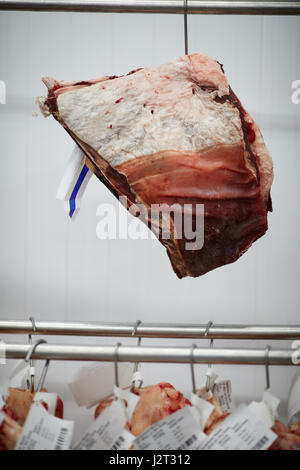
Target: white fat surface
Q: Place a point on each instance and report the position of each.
(180, 120)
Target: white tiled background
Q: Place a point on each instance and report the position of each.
(55, 269)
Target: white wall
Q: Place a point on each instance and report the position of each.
(55, 269)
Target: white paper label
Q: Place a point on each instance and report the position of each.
(2, 92)
(131, 400)
(45, 432)
(179, 431)
(74, 182)
(94, 383)
(265, 410)
(49, 398)
(223, 394)
(240, 431)
(294, 403)
(107, 431)
(203, 409)
(137, 379)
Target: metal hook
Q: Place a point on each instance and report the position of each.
(209, 325)
(192, 369)
(136, 365)
(116, 365)
(186, 45)
(31, 363)
(43, 375)
(28, 359)
(136, 325)
(267, 353)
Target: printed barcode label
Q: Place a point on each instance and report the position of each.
(178, 431)
(260, 443)
(60, 445)
(242, 430)
(223, 394)
(188, 443)
(118, 443)
(107, 431)
(45, 432)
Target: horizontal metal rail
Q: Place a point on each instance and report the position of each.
(152, 354)
(152, 330)
(222, 7)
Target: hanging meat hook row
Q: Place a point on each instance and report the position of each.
(136, 373)
(267, 356)
(192, 369)
(185, 13)
(31, 363)
(209, 325)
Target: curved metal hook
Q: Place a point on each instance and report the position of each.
(28, 359)
(116, 364)
(31, 363)
(33, 348)
(136, 365)
(135, 327)
(192, 369)
(267, 356)
(209, 325)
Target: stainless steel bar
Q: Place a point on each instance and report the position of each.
(152, 330)
(150, 354)
(222, 7)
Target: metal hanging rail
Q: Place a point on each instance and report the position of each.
(152, 330)
(221, 7)
(152, 354)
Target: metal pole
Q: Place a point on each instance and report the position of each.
(152, 330)
(229, 7)
(151, 354)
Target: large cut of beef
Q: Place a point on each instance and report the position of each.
(174, 136)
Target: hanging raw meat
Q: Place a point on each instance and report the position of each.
(156, 403)
(10, 431)
(286, 440)
(295, 428)
(175, 136)
(18, 404)
(16, 409)
(216, 417)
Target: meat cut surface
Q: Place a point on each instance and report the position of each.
(286, 440)
(19, 401)
(175, 136)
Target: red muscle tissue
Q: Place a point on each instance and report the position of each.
(175, 135)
